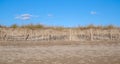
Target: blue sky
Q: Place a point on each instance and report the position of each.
(60, 12)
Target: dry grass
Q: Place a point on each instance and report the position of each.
(53, 43)
(62, 54)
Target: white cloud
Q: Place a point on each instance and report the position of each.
(24, 17)
(93, 12)
(50, 15)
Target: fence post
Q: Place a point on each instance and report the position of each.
(27, 37)
(0, 34)
(91, 34)
(110, 34)
(70, 36)
(4, 36)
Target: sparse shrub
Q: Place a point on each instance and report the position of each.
(90, 26)
(109, 27)
(31, 26)
(99, 27)
(60, 28)
(14, 26)
(39, 26)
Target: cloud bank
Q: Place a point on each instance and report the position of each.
(25, 16)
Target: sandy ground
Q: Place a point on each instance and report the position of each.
(61, 54)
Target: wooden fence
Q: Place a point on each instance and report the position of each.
(53, 35)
